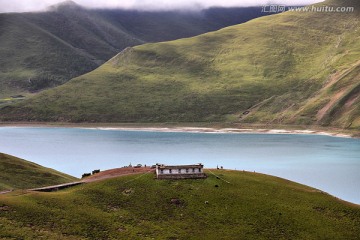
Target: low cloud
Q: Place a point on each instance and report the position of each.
(38, 5)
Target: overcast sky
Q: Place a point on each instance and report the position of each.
(38, 5)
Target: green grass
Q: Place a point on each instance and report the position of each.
(20, 174)
(275, 67)
(45, 49)
(252, 206)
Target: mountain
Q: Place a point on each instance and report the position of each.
(44, 49)
(234, 205)
(17, 173)
(292, 68)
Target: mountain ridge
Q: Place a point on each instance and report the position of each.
(256, 72)
(44, 49)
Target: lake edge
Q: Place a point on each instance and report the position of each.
(191, 128)
(196, 133)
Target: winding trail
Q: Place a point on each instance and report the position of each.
(117, 172)
(7, 191)
(107, 174)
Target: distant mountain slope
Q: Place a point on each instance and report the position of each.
(45, 49)
(20, 174)
(291, 68)
(171, 25)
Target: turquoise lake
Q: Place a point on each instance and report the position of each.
(331, 164)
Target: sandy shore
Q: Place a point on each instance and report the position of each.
(7, 191)
(191, 129)
(224, 130)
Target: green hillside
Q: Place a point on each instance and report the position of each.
(20, 174)
(292, 68)
(251, 206)
(44, 49)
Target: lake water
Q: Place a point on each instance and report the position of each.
(331, 164)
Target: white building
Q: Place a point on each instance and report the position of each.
(179, 171)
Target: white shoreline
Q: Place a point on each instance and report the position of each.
(190, 130)
(219, 130)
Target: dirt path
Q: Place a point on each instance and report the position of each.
(335, 78)
(321, 113)
(7, 191)
(107, 174)
(117, 172)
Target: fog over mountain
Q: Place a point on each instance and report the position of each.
(39, 5)
(68, 40)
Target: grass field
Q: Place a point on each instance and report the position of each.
(45, 49)
(291, 68)
(250, 206)
(21, 174)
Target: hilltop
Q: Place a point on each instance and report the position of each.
(17, 173)
(250, 206)
(292, 68)
(41, 50)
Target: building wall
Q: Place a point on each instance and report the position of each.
(180, 173)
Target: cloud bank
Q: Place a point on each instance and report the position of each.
(38, 5)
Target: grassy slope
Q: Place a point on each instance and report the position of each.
(275, 67)
(252, 206)
(52, 47)
(20, 174)
(44, 49)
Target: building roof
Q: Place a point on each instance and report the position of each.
(162, 166)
